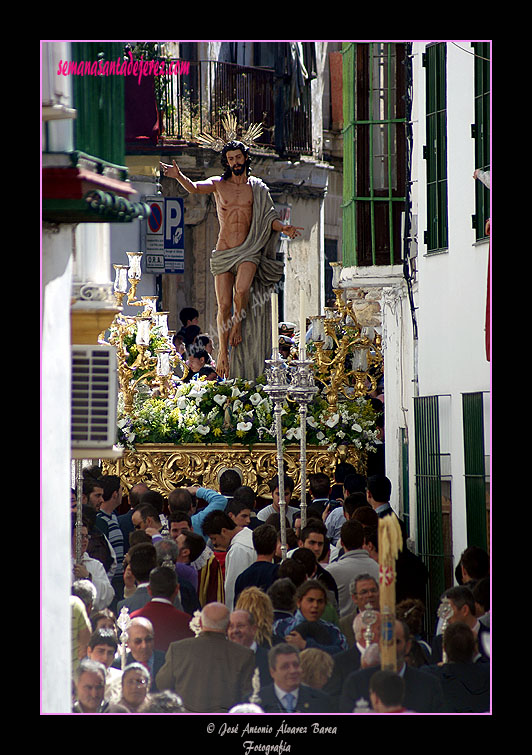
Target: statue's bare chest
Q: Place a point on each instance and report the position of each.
(234, 196)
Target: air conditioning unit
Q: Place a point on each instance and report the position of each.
(94, 396)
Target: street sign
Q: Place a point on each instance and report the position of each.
(165, 236)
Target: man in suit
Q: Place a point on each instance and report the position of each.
(351, 660)
(378, 493)
(364, 590)
(462, 603)
(420, 696)
(412, 573)
(210, 673)
(140, 643)
(465, 682)
(287, 694)
(243, 629)
(169, 623)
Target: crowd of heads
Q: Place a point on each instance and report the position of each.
(298, 588)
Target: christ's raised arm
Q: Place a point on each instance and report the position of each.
(193, 187)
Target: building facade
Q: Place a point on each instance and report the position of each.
(415, 261)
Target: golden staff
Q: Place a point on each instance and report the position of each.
(390, 543)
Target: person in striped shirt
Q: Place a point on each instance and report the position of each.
(107, 522)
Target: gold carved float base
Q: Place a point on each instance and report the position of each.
(164, 467)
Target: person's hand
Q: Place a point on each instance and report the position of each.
(170, 171)
(326, 512)
(81, 571)
(294, 638)
(292, 231)
(193, 489)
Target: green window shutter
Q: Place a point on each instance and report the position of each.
(349, 207)
(474, 468)
(429, 497)
(481, 134)
(99, 101)
(435, 60)
(375, 126)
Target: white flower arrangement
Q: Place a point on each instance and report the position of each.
(240, 412)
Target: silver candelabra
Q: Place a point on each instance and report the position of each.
(294, 380)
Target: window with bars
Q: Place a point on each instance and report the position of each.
(474, 413)
(375, 120)
(481, 134)
(433, 495)
(435, 152)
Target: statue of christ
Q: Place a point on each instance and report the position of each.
(248, 221)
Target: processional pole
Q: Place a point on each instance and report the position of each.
(303, 390)
(277, 388)
(390, 543)
(79, 508)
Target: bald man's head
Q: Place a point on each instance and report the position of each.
(215, 617)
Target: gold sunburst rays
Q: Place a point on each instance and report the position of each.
(230, 128)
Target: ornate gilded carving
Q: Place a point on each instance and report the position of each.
(164, 467)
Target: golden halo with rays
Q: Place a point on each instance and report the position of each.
(230, 126)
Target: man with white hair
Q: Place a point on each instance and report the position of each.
(243, 630)
(209, 672)
(140, 648)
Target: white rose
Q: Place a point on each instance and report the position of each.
(255, 399)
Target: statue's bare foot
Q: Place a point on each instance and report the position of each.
(222, 365)
(235, 334)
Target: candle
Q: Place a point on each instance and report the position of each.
(275, 327)
(302, 324)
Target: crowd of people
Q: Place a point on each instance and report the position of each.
(184, 604)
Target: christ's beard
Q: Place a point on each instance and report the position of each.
(238, 169)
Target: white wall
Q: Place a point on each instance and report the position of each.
(452, 284)
(55, 569)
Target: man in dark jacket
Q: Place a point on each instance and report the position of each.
(421, 695)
